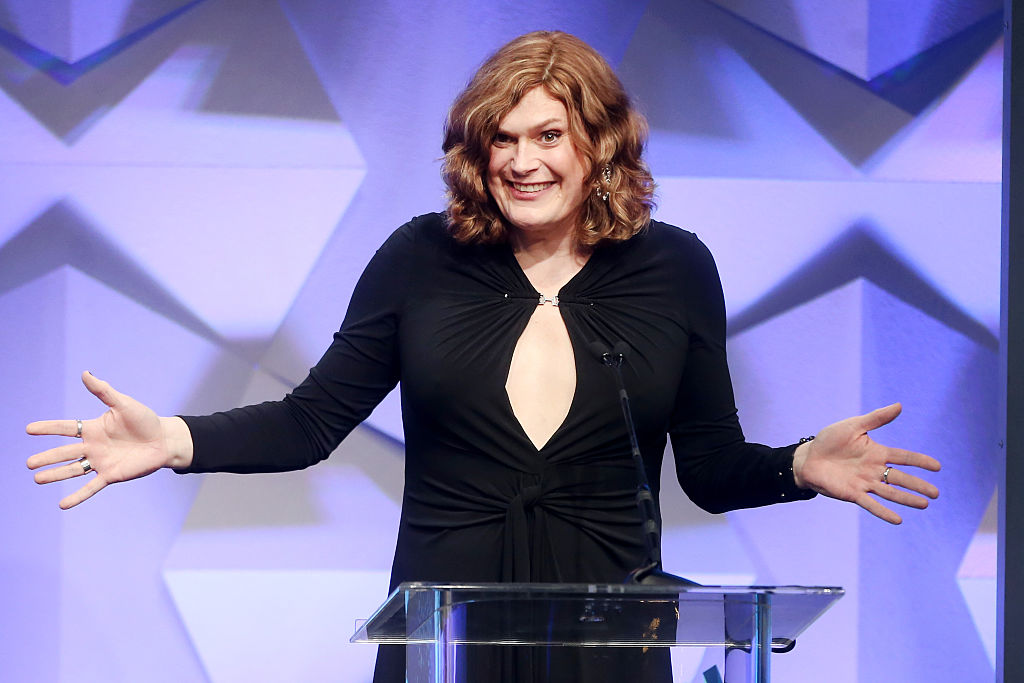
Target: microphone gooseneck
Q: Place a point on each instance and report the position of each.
(650, 572)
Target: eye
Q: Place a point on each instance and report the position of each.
(502, 139)
(550, 137)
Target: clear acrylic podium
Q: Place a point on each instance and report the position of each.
(434, 619)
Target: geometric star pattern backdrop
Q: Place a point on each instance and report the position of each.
(189, 189)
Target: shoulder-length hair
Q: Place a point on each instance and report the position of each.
(605, 128)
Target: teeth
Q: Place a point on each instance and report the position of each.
(533, 187)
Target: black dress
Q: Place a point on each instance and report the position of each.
(481, 502)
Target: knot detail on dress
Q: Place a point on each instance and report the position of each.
(518, 536)
(530, 495)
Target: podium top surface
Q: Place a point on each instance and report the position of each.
(592, 614)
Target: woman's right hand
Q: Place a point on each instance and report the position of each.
(126, 442)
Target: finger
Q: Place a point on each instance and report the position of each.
(880, 417)
(91, 488)
(61, 473)
(53, 427)
(912, 483)
(901, 497)
(899, 456)
(72, 451)
(879, 510)
(101, 390)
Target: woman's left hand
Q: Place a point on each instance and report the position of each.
(844, 462)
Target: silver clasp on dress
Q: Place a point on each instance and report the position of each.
(546, 299)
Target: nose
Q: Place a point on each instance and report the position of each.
(524, 158)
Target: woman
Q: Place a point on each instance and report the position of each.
(518, 465)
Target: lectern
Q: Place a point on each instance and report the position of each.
(434, 619)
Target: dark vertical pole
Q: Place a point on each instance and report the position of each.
(1010, 598)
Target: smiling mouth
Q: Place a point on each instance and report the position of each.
(531, 187)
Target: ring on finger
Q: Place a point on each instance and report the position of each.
(78, 430)
(86, 465)
(885, 475)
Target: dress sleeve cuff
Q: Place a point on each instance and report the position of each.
(190, 420)
(785, 481)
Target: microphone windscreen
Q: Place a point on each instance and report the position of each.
(598, 349)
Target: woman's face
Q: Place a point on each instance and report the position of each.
(535, 173)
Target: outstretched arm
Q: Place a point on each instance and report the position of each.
(843, 462)
(126, 442)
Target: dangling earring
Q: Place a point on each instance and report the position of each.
(606, 176)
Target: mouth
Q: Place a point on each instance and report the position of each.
(530, 188)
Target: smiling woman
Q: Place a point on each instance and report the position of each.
(536, 175)
(597, 117)
(518, 466)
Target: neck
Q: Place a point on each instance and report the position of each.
(533, 247)
(549, 261)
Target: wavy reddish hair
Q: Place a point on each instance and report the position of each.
(605, 128)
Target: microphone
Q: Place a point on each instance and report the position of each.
(650, 572)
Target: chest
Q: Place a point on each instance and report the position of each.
(466, 324)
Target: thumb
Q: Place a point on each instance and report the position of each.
(880, 417)
(100, 389)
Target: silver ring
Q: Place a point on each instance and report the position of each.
(86, 465)
(885, 475)
(78, 432)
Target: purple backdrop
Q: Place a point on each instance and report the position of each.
(188, 190)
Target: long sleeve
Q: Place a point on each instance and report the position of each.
(355, 373)
(717, 468)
